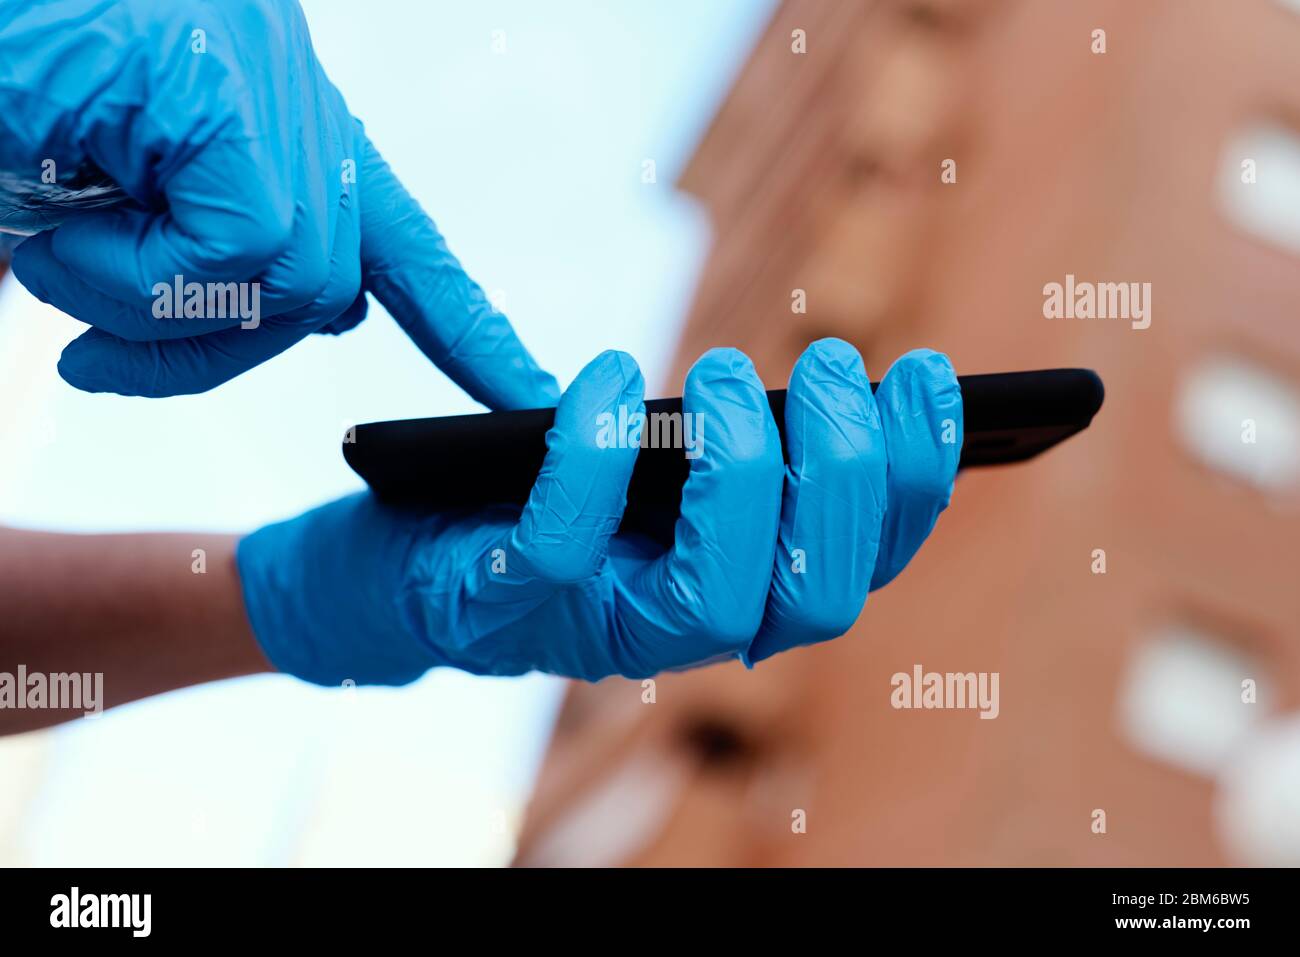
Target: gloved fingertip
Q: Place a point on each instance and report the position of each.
(935, 367)
(923, 379)
(98, 362)
(724, 360)
(30, 261)
(75, 369)
(832, 362)
(517, 384)
(613, 374)
(725, 373)
(548, 388)
(835, 354)
(609, 387)
(349, 319)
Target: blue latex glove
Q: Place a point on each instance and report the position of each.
(245, 166)
(765, 557)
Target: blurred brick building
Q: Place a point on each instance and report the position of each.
(1121, 691)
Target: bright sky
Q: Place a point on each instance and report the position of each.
(530, 160)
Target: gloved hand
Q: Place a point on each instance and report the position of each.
(765, 557)
(218, 121)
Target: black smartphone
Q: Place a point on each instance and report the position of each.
(488, 458)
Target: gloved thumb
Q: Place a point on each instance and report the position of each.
(577, 503)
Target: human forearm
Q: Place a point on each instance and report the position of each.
(152, 613)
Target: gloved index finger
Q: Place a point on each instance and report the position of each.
(406, 264)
